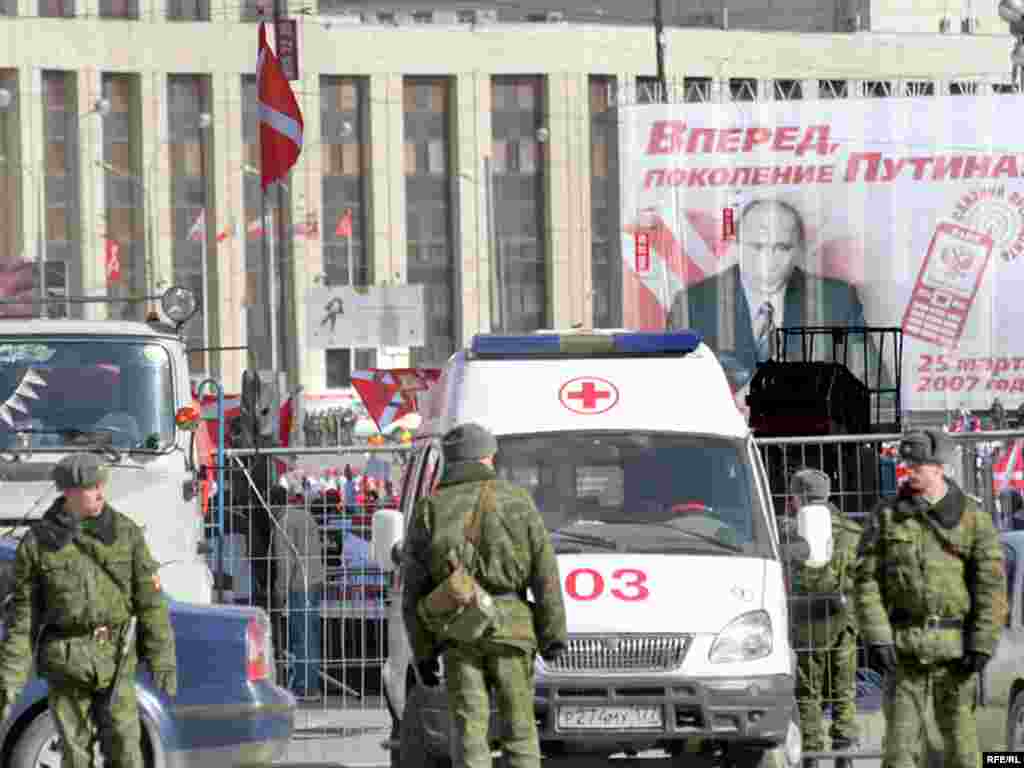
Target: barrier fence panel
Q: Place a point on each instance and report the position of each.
(297, 526)
(296, 544)
(833, 676)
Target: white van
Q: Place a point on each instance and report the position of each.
(649, 480)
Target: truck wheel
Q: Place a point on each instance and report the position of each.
(39, 746)
(1015, 724)
(413, 751)
(780, 756)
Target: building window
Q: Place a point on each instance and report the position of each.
(188, 10)
(57, 8)
(119, 9)
(878, 89)
(257, 10)
(743, 89)
(344, 108)
(430, 261)
(340, 365)
(188, 98)
(788, 90)
(833, 89)
(517, 185)
(605, 261)
(62, 237)
(697, 90)
(920, 88)
(648, 90)
(126, 192)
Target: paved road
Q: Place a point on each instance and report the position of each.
(352, 738)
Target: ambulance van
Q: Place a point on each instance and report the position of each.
(672, 569)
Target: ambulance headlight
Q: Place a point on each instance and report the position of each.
(745, 638)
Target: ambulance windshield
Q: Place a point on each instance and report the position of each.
(636, 492)
(58, 393)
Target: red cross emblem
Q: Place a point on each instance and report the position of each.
(588, 395)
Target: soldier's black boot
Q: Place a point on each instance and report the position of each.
(843, 745)
(810, 762)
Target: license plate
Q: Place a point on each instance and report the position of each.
(571, 718)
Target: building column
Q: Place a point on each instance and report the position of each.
(156, 180)
(92, 225)
(474, 246)
(387, 195)
(567, 195)
(227, 258)
(32, 156)
(307, 251)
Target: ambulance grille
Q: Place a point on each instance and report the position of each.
(622, 653)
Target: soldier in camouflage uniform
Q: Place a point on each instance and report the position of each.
(824, 626)
(931, 601)
(514, 554)
(79, 576)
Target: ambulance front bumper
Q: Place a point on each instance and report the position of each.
(594, 713)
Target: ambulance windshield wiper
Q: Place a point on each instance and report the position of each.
(732, 547)
(584, 539)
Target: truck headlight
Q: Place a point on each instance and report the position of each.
(745, 638)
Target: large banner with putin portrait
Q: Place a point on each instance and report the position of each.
(740, 218)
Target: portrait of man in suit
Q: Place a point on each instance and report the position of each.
(738, 309)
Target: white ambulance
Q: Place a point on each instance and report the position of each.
(672, 570)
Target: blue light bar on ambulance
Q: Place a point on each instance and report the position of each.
(636, 344)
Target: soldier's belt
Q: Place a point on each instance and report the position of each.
(929, 622)
(103, 633)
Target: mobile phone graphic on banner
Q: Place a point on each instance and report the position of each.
(947, 284)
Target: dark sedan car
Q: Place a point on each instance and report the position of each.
(228, 711)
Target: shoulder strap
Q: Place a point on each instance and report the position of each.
(485, 503)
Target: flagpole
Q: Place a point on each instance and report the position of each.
(268, 291)
(282, 240)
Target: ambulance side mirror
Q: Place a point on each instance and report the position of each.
(385, 538)
(814, 526)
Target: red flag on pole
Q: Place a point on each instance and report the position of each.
(390, 394)
(113, 260)
(279, 114)
(344, 225)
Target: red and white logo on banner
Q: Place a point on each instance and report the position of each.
(642, 246)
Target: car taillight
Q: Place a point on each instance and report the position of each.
(257, 646)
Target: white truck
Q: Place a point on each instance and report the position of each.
(672, 569)
(122, 389)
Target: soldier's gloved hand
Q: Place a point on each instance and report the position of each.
(974, 662)
(167, 681)
(430, 671)
(882, 658)
(552, 652)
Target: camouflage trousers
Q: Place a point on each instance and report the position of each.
(827, 676)
(470, 672)
(908, 693)
(81, 723)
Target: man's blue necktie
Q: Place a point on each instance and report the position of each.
(765, 324)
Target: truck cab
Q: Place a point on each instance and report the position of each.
(658, 505)
(120, 389)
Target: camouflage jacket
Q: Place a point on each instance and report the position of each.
(514, 554)
(58, 586)
(824, 604)
(919, 561)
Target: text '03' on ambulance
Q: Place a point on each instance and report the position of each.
(648, 478)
